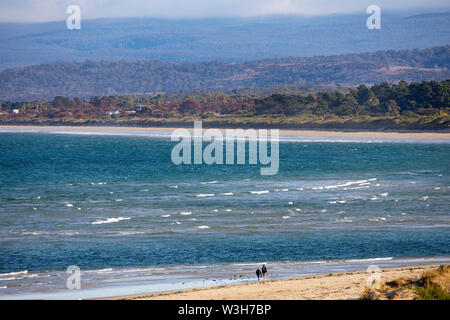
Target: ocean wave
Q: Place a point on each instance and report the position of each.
(13, 273)
(209, 182)
(186, 213)
(204, 195)
(203, 227)
(259, 192)
(369, 259)
(111, 220)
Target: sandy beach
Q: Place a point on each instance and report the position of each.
(334, 286)
(438, 135)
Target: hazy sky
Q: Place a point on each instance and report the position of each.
(54, 10)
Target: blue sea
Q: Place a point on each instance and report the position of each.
(113, 204)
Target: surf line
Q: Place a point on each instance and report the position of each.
(213, 153)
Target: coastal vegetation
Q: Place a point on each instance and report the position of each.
(432, 285)
(417, 105)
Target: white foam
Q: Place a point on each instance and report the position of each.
(259, 192)
(344, 220)
(286, 217)
(186, 213)
(13, 273)
(291, 203)
(203, 227)
(165, 216)
(111, 220)
(227, 194)
(370, 259)
(209, 182)
(203, 195)
(377, 219)
(69, 205)
(384, 194)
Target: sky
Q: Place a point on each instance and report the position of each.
(55, 10)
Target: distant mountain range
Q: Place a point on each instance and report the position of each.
(221, 39)
(91, 78)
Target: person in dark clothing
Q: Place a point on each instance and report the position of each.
(264, 271)
(258, 273)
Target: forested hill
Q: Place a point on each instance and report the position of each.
(103, 78)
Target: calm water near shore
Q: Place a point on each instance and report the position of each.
(115, 205)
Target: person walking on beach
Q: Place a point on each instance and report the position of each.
(258, 273)
(264, 271)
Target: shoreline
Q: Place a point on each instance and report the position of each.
(322, 133)
(348, 285)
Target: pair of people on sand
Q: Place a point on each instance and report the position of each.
(261, 272)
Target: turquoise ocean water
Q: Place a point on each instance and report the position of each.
(115, 205)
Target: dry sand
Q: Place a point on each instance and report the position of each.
(302, 133)
(335, 286)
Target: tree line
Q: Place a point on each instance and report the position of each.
(380, 100)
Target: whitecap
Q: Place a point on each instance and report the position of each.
(111, 220)
(13, 273)
(203, 227)
(203, 195)
(227, 194)
(259, 192)
(69, 205)
(383, 194)
(165, 216)
(344, 220)
(286, 217)
(291, 203)
(186, 213)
